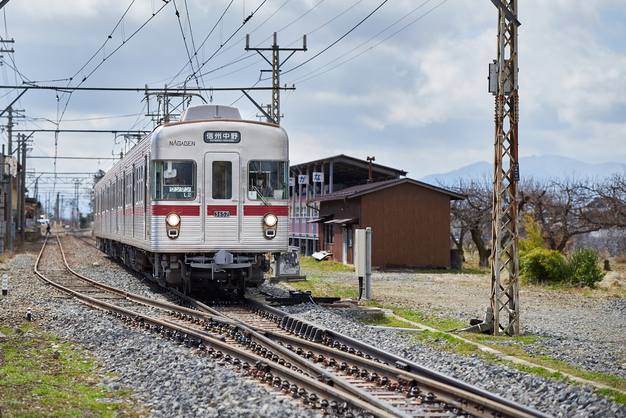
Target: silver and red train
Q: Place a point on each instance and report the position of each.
(199, 203)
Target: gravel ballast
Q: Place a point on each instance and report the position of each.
(170, 380)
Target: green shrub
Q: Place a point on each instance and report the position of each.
(542, 266)
(584, 270)
(534, 237)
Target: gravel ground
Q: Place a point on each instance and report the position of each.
(166, 378)
(583, 331)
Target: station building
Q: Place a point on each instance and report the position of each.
(410, 220)
(319, 178)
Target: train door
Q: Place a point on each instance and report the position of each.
(222, 195)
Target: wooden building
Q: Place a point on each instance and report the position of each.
(410, 222)
(321, 177)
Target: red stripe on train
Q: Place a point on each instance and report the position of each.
(262, 210)
(162, 210)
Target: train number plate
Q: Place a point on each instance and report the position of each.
(221, 214)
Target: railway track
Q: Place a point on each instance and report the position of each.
(297, 360)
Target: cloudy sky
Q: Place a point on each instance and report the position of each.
(408, 84)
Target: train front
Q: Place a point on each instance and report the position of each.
(219, 189)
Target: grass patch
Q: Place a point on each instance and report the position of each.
(616, 396)
(513, 346)
(516, 349)
(446, 342)
(442, 324)
(389, 321)
(322, 284)
(310, 263)
(40, 376)
(327, 289)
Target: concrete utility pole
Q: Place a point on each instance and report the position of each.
(76, 184)
(21, 199)
(56, 211)
(503, 82)
(276, 64)
(10, 188)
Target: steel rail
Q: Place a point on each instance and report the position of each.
(407, 365)
(340, 390)
(448, 389)
(450, 393)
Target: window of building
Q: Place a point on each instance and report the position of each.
(330, 234)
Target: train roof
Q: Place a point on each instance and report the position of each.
(208, 112)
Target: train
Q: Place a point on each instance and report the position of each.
(200, 204)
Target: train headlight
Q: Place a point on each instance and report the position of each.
(269, 225)
(173, 220)
(172, 225)
(270, 220)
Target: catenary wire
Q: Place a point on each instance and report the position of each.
(166, 2)
(203, 42)
(305, 77)
(229, 38)
(338, 40)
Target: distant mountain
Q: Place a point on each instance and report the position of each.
(539, 168)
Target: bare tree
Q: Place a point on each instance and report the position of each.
(563, 208)
(608, 209)
(473, 214)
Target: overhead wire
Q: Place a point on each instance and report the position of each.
(301, 16)
(338, 40)
(304, 78)
(204, 41)
(182, 32)
(246, 55)
(229, 38)
(105, 58)
(119, 22)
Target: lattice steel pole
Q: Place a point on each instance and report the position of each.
(275, 82)
(505, 252)
(276, 64)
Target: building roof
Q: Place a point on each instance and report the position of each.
(363, 189)
(348, 171)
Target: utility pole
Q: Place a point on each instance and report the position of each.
(56, 210)
(23, 189)
(77, 224)
(10, 192)
(503, 82)
(18, 180)
(21, 199)
(276, 64)
(3, 231)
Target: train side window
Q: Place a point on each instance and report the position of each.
(173, 180)
(267, 180)
(222, 180)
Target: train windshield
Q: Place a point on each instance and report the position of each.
(173, 180)
(267, 180)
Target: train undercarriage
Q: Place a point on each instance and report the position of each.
(193, 273)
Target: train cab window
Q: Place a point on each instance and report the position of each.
(267, 180)
(173, 180)
(222, 180)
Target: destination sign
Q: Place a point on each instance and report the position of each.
(222, 136)
(180, 189)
